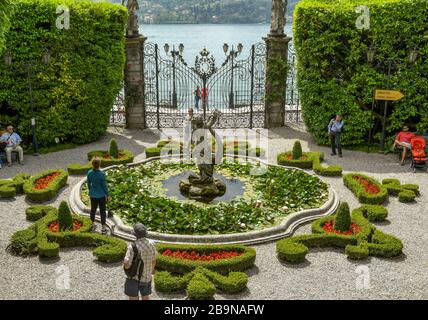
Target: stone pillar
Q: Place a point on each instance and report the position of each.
(276, 66)
(134, 82)
(276, 80)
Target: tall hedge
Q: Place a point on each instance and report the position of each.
(335, 77)
(5, 10)
(72, 95)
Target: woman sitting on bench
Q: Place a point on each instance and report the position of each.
(403, 140)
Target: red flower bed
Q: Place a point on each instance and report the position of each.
(54, 226)
(106, 156)
(304, 158)
(369, 187)
(196, 256)
(329, 228)
(42, 183)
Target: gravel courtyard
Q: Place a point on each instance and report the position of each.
(327, 274)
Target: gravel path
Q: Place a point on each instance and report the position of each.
(327, 274)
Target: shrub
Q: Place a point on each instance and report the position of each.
(24, 242)
(223, 266)
(360, 192)
(114, 149)
(19, 181)
(76, 92)
(373, 212)
(359, 246)
(343, 218)
(125, 156)
(79, 169)
(329, 171)
(64, 217)
(297, 151)
(411, 187)
(284, 160)
(201, 278)
(406, 196)
(35, 213)
(50, 191)
(339, 80)
(7, 192)
(153, 152)
(200, 288)
(5, 182)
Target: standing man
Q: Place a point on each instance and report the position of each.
(12, 141)
(98, 192)
(140, 286)
(197, 97)
(335, 130)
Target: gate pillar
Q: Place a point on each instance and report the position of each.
(276, 67)
(134, 83)
(134, 70)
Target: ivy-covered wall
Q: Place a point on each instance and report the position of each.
(335, 77)
(72, 95)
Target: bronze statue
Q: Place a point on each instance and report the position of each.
(205, 163)
(204, 187)
(279, 11)
(133, 25)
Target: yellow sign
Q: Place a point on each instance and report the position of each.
(389, 95)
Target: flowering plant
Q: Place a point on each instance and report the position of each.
(43, 183)
(329, 228)
(196, 256)
(54, 226)
(369, 187)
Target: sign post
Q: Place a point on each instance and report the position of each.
(384, 95)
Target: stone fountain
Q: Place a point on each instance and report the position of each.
(204, 187)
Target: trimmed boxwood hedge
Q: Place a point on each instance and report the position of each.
(38, 239)
(200, 279)
(406, 192)
(223, 266)
(35, 213)
(79, 169)
(373, 212)
(328, 171)
(359, 191)
(153, 152)
(75, 93)
(126, 156)
(48, 193)
(7, 191)
(368, 242)
(333, 73)
(19, 181)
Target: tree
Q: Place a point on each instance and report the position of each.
(114, 149)
(297, 151)
(65, 218)
(342, 222)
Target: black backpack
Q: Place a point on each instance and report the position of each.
(137, 265)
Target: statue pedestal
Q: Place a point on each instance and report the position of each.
(203, 192)
(134, 82)
(276, 83)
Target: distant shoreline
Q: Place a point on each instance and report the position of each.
(207, 23)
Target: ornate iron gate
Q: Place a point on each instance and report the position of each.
(292, 98)
(236, 88)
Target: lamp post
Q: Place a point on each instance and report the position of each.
(389, 66)
(46, 59)
(174, 54)
(232, 55)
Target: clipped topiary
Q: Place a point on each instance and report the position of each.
(342, 222)
(64, 216)
(114, 149)
(297, 150)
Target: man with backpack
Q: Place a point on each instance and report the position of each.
(139, 265)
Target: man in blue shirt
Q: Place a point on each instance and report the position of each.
(335, 130)
(12, 141)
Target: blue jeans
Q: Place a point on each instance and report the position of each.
(197, 102)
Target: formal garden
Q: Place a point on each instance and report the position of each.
(279, 219)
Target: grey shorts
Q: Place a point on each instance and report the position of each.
(133, 287)
(407, 145)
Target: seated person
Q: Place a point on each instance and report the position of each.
(12, 140)
(403, 140)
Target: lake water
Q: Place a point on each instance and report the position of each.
(212, 36)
